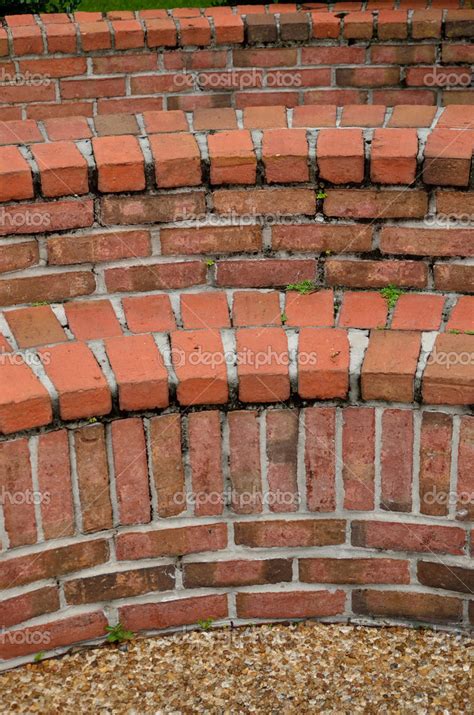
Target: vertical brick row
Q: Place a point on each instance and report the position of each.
(131, 471)
(320, 458)
(205, 450)
(54, 481)
(358, 455)
(282, 445)
(17, 495)
(435, 463)
(93, 478)
(167, 464)
(244, 462)
(396, 460)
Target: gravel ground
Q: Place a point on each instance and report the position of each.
(298, 668)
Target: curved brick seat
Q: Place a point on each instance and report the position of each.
(236, 329)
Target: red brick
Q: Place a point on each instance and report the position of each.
(325, 25)
(157, 276)
(51, 635)
(393, 156)
(288, 534)
(389, 367)
(171, 542)
(264, 273)
(205, 461)
(278, 202)
(261, 27)
(462, 315)
(256, 308)
(459, 23)
(262, 364)
(169, 614)
(16, 93)
(82, 388)
(392, 25)
(24, 402)
(115, 124)
(122, 584)
(204, 310)
(169, 121)
(27, 40)
(323, 363)
(61, 38)
(265, 117)
(211, 239)
(454, 277)
(98, 247)
(93, 478)
(417, 606)
(93, 320)
(407, 115)
(161, 33)
(139, 369)
(340, 155)
(15, 174)
(290, 604)
(54, 481)
(237, 573)
(368, 77)
(439, 575)
(195, 31)
(448, 377)
(282, 444)
(59, 129)
(170, 154)
(354, 571)
(396, 464)
(358, 26)
(199, 363)
(232, 157)
(457, 117)
(149, 314)
(316, 115)
(418, 312)
(409, 54)
(47, 287)
(228, 29)
(244, 462)
(130, 105)
(376, 274)
(448, 155)
(322, 55)
(457, 53)
(465, 486)
(285, 155)
(426, 24)
(54, 67)
(320, 453)
(52, 563)
(427, 242)
(19, 255)
(29, 605)
(358, 455)
(92, 88)
(120, 163)
(393, 536)
(51, 216)
(167, 465)
(128, 34)
(19, 132)
(363, 310)
(17, 498)
(360, 115)
(131, 63)
(432, 77)
(205, 119)
(339, 97)
(95, 36)
(313, 237)
(391, 97)
(66, 109)
(313, 309)
(435, 463)
(265, 57)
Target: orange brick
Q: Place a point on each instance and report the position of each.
(149, 314)
(232, 157)
(195, 31)
(95, 36)
(24, 402)
(358, 26)
(204, 310)
(418, 312)
(16, 486)
(323, 363)
(264, 117)
(285, 155)
(167, 464)
(15, 175)
(54, 479)
(448, 377)
(393, 156)
(92, 320)
(462, 315)
(363, 310)
(171, 153)
(205, 449)
(315, 115)
(199, 363)
(120, 163)
(169, 121)
(59, 129)
(35, 326)
(389, 367)
(63, 169)
(128, 34)
(360, 115)
(262, 365)
(140, 372)
(82, 388)
(315, 309)
(409, 115)
(256, 308)
(448, 154)
(340, 155)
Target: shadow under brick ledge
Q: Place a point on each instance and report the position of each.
(236, 319)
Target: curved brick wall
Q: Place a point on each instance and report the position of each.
(236, 343)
